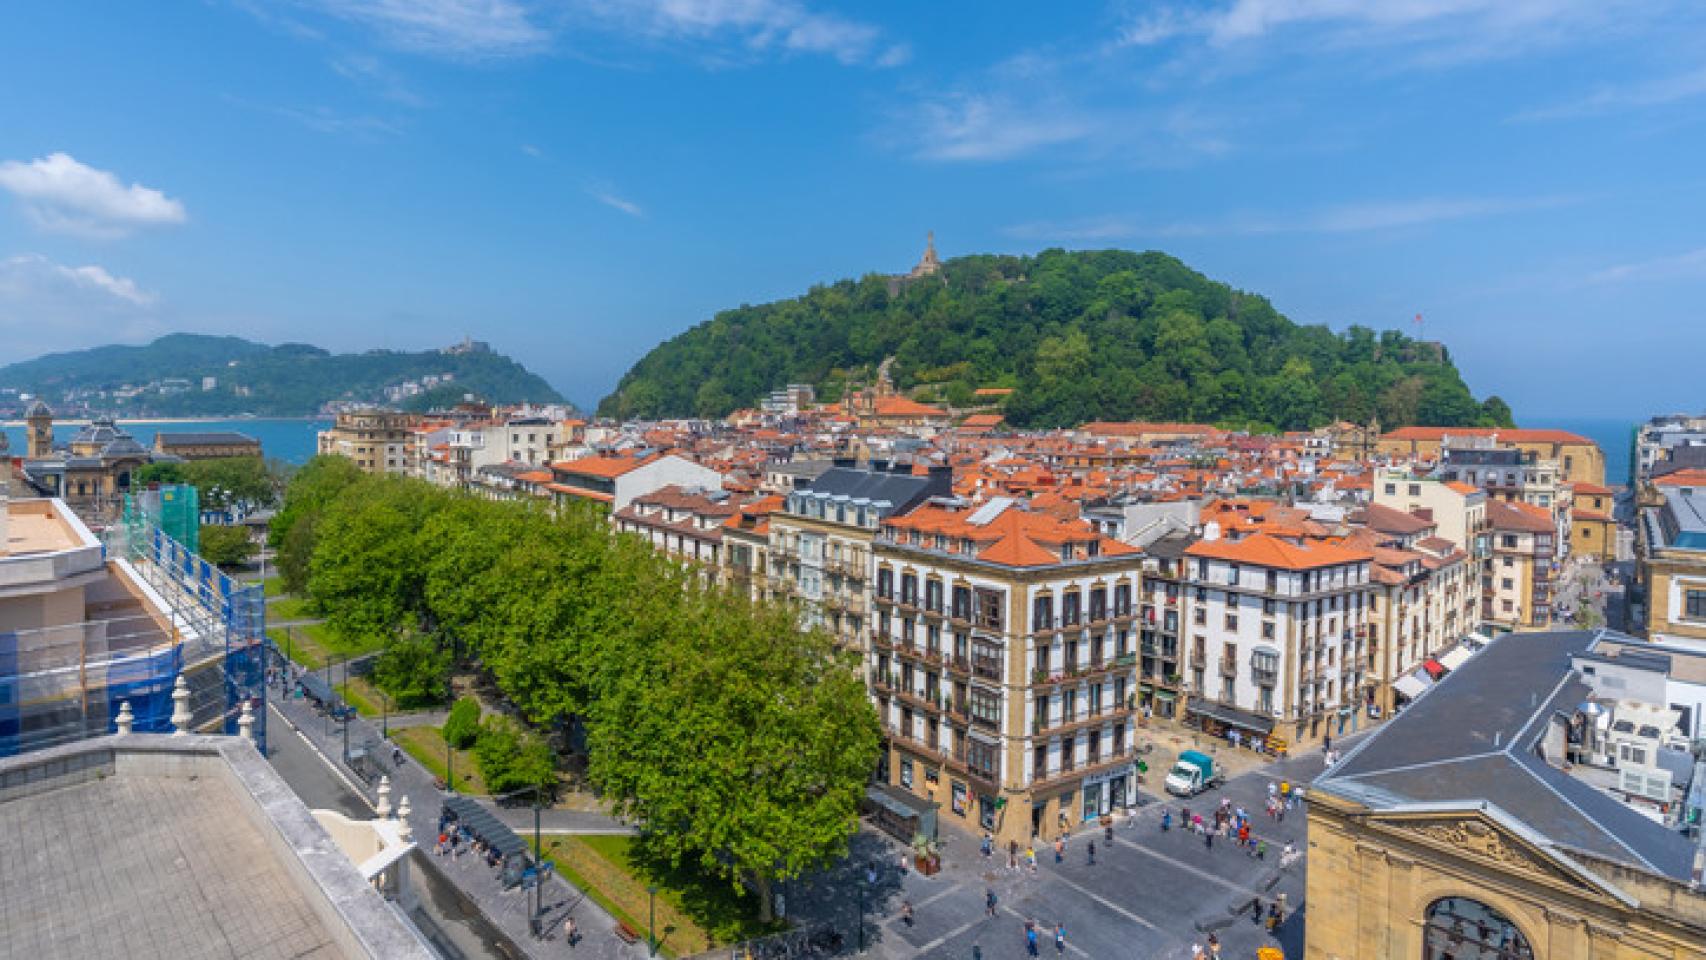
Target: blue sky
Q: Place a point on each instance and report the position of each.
(574, 181)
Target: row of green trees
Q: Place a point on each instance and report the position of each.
(741, 742)
(1083, 335)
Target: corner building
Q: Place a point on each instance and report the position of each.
(1004, 666)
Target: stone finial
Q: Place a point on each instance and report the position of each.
(246, 722)
(181, 716)
(126, 719)
(404, 831)
(383, 807)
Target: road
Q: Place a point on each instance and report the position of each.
(452, 924)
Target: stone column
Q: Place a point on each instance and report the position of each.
(404, 811)
(383, 807)
(246, 722)
(126, 720)
(181, 716)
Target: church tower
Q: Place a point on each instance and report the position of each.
(40, 423)
(928, 265)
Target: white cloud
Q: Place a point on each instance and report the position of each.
(63, 195)
(1341, 218)
(49, 306)
(1652, 93)
(759, 25)
(993, 127)
(460, 29)
(1458, 29)
(373, 74)
(611, 199)
(532, 151)
(1681, 266)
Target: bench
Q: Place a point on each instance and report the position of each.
(626, 934)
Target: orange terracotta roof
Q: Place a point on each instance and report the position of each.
(1263, 550)
(578, 492)
(903, 407)
(1512, 435)
(1506, 515)
(1591, 489)
(982, 420)
(601, 466)
(992, 392)
(1014, 538)
(1461, 487)
(1107, 428)
(1691, 477)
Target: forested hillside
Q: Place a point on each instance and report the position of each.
(168, 377)
(1080, 336)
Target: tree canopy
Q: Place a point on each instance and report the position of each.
(1080, 336)
(742, 742)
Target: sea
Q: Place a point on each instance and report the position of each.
(287, 439)
(1615, 437)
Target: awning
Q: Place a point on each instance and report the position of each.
(1167, 695)
(1232, 716)
(899, 802)
(1455, 657)
(1434, 668)
(478, 819)
(1410, 686)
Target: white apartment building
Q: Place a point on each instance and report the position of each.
(1275, 634)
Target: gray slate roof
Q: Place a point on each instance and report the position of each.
(904, 491)
(1471, 738)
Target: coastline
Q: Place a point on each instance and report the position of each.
(232, 418)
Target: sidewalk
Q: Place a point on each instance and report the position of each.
(506, 909)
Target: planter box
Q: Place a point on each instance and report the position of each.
(929, 866)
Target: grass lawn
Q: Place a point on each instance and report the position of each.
(273, 586)
(301, 649)
(691, 909)
(426, 745)
(361, 695)
(290, 608)
(313, 644)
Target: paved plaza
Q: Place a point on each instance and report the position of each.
(1153, 894)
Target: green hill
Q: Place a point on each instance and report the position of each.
(1081, 336)
(166, 377)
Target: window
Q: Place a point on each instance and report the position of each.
(1508, 541)
(885, 583)
(1415, 489)
(1042, 613)
(962, 603)
(1460, 927)
(906, 772)
(1392, 489)
(985, 707)
(1506, 583)
(1267, 630)
(1694, 604)
(1232, 621)
(1199, 615)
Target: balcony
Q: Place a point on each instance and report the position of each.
(988, 668)
(1085, 671)
(1047, 726)
(1228, 667)
(1071, 770)
(957, 664)
(1264, 676)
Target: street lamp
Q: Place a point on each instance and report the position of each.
(652, 918)
(860, 886)
(346, 709)
(449, 767)
(538, 866)
(384, 714)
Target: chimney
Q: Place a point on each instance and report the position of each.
(1211, 531)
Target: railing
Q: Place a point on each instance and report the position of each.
(1264, 677)
(1228, 667)
(1080, 719)
(1069, 768)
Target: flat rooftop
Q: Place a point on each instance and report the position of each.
(176, 848)
(43, 526)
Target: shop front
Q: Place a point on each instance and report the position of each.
(1222, 720)
(1110, 791)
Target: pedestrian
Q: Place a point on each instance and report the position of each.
(1261, 850)
(1213, 945)
(1092, 849)
(1166, 820)
(906, 912)
(1030, 940)
(1208, 839)
(1059, 849)
(1256, 910)
(989, 900)
(988, 845)
(1244, 835)
(1185, 818)
(976, 952)
(1012, 854)
(1108, 831)
(871, 873)
(1196, 951)
(1060, 938)
(1327, 742)
(1273, 917)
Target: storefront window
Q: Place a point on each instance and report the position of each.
(1092, 801)
(906, 773)
(959, 798)
(986, 812)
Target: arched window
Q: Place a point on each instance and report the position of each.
(1458, 928)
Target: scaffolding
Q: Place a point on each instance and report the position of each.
(183, 617)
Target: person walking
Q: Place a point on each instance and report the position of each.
(1213, 945)
(1059, 849)
(1256, 910)
(1208, 839)
(1166, 820)
(1030, 939)
(989, 900)
(571, 932)
(1060, 938)
(906, 912)
(1092, 849)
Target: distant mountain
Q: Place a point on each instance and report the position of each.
(187, 375)
(1079, 336)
